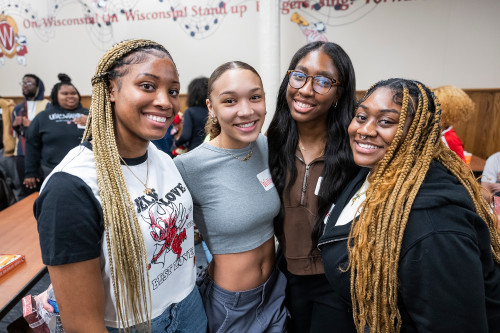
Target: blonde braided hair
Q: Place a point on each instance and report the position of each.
(394, 183)
(126, 249)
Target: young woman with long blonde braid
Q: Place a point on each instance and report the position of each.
(423, 252)
(115, 217)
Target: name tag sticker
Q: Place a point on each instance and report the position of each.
(80, 126)
(265, 179)
(318, 185)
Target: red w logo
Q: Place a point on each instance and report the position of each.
(8, 32)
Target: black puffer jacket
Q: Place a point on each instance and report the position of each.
(448, 279)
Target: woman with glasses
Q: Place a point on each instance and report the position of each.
(311, 163)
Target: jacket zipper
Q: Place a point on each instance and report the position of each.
(304, 185)
(334, 240)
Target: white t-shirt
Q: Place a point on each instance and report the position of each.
(31, 112)
(165, 217)
(350, 210)
(491, 172)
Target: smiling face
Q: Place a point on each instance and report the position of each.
(67, 96)
(305, 104)
(374, 126)
(238, 101)
(146, 100)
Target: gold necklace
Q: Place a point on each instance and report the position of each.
(147, 190)
(360, 191)
(302, 148)
(246, 158)
(357, 196)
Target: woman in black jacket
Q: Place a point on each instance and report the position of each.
(54, 132)
(423, 253)
(195, 117)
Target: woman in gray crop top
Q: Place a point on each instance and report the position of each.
(235, 202)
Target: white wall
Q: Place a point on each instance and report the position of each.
(435, 41)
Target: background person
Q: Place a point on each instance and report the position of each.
(234, 205)
(8, 144)
(22, 115)
(423, 253)
(310, 163)
(164, 144)
(196, 115)
(490, 179)
(54, 132)
(456, 107)
(127, 257)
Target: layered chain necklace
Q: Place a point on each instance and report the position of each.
(147, 190)
(246, 158)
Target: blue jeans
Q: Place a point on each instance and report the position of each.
(187, 316)
(256, 310)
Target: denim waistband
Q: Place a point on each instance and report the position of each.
(242, 297)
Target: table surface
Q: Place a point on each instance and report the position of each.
(19, 235)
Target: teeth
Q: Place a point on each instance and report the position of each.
(303, 105)
(156, 118)
(247, 125)
(362, 145)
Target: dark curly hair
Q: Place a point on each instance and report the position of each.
(197, 92)
(63, 80)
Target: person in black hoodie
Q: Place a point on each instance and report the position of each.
(423, 252)
(54, 132)
(33, 91)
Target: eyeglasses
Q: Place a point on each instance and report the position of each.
(27, 83)
(321, 84)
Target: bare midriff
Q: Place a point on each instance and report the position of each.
(245, 270)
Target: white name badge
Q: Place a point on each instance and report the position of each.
(265, 179)
(318, 185)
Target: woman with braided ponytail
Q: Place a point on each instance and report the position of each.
(234, 205)
(115, 217)
(423, 253)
